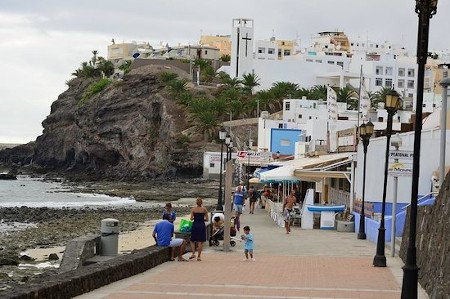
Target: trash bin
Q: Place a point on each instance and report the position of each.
(109, 236)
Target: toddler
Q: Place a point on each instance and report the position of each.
(248, 246)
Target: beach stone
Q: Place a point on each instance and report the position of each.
(8, 258)
(4, 276)
(53, 257)
(26, 258)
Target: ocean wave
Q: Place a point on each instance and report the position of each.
(105, 200)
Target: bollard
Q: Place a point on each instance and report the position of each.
(109, 237)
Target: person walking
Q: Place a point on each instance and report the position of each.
(288, 204)
(248, 246)
(238, 204)
(198, 234)
(252, 197)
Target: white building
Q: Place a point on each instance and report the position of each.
(387, 70)
(266, 50)
(211, 163)
(241, 48)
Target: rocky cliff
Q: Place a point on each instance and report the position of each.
(131, 129)
(433, 244)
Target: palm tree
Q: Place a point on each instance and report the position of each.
(318, 92)
(177, 87)
(349, 96)
(281, 91)
(94, 57)
(380, 96)
(250, 81)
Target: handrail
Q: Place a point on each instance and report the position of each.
(419, 199)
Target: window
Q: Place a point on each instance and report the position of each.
(310, 117)
(287, 52)
(287, 106)
(388, 71)
(401, 72)
(424, 105)
(376, 46)
(410, 72)
(378, 82)
(279, 53)
(388, 83)
(314, 105)
(271, 51)
(445, 74)
(280, 126)
(379, 70)
(330, 62)
(319, 61)
(380, 119)
(410, 84)
(401, 83)
(300, 116)
(261, 50)
(340, 63)
(351, 44)
(410, 95)
(309, 60)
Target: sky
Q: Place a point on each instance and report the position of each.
(42, 42)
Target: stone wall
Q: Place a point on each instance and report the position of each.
(433, 244)
(85, 279)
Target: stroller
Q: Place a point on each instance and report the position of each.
(218, 235)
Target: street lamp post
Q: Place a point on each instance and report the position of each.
(222, 136)
(425, 9)
(248, 168)
(365, 132)
(230, 150)
(392, 103)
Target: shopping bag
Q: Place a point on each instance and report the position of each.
(185, 226)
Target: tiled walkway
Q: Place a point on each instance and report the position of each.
(304, 264)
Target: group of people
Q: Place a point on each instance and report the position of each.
(164, 230)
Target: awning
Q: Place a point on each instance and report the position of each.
(316, 168)
(278, 175)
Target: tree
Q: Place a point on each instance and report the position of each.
(349, 96)
(94, 57)
(250, 81)
(225, 58)
(105, 66)
(318, 92)
(380, 96)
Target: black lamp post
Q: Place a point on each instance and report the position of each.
(365, 132)
(391, 105)
(248, 168)
(425, 9)
(222, 137)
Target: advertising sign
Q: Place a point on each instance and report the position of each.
(400, 163)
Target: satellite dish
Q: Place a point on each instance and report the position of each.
(136, 55)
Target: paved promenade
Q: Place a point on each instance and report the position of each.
(303, 264)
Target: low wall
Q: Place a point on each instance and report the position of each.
(85, 279)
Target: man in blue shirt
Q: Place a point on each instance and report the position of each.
(163, 232)
(238, 203)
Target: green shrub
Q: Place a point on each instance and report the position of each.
(93, 89)
(166, 77)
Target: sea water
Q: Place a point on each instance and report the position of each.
(36, 192)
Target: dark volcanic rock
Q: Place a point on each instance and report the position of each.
(53, 257)
(130, 130)
(8, 257)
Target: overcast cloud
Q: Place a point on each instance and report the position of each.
(42, 42)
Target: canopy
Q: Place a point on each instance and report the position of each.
(278, 175)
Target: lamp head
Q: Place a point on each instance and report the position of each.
(369, 129)
(230, 145)
(429, 6)
(222, 134)
(392, 101)
(362, 130)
